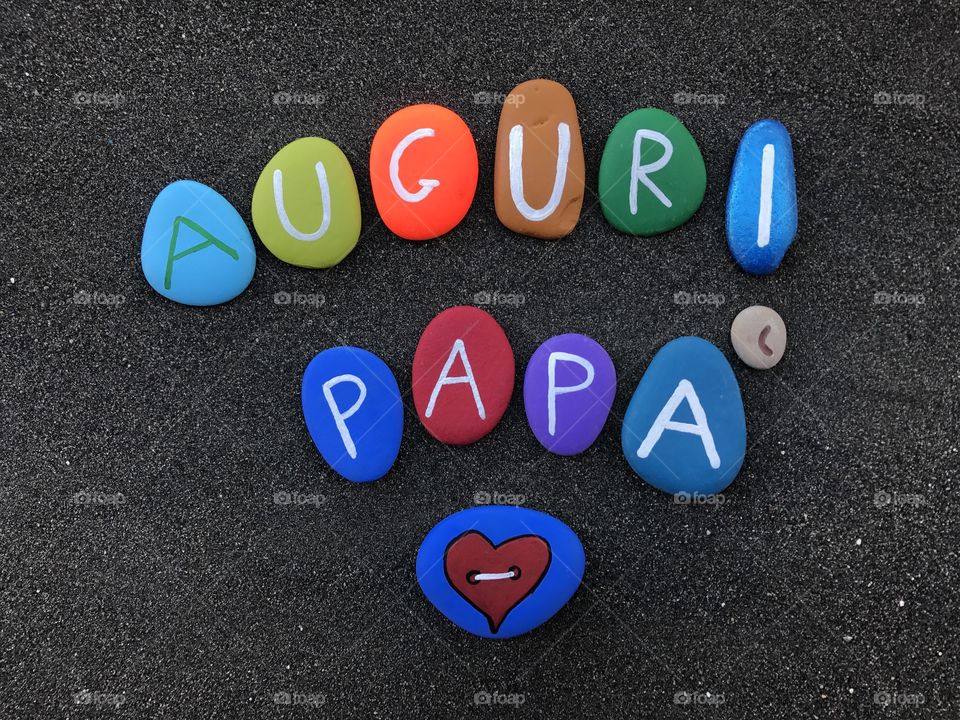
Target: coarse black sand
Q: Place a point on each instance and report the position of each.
(825, 586)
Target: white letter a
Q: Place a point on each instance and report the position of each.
(444, 379)
(698, 427)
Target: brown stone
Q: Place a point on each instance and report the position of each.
(531, 205)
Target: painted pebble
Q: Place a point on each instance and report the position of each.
(685, 431)
(538, 168)
(423, 170)
(568, 389)
(196, 248)
(759, 336)
(352, 407)
(762, 198)
(306, 207)
(463, 374)
(652, 176)
(500, 571)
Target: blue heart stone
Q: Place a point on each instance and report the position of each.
(196, 248)
(762, 198)
(685, 431)
(352, 407)
(500, 571)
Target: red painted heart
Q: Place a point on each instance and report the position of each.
(495, 578)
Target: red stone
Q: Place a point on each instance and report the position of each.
(454, 415)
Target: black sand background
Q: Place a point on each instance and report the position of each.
(825, 584)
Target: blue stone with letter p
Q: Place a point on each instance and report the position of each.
(684, 430)
(196, 249)
(352, 407)
(762, 198)
(499, 571)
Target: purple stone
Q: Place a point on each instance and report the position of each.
(568, 390)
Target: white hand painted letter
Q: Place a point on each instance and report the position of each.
(426, 186)
(339, 417)
(553, 390)
(444, 379)
(638, 172)
(766, 195)
(698, 427)
(516, 173)
(324, 202)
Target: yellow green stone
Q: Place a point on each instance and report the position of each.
(652, 176)
(306, 208)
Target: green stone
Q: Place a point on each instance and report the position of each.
(641, 192)
(314, 219)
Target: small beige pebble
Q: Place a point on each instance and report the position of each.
(759, 336)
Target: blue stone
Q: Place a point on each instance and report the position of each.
(196, 248)
(499, 571)
(762, 198)
(685, 431)
(352, 407)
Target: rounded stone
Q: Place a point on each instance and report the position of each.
(538, 168)
(652, 177)
(568, 390)
(196, 249)
(463, 375)
(353, 411)
(306, 206)
(423, 171)
(685, 430)
(759, 336)
(500, 571)
(761, 208)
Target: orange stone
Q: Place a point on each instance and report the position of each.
(538, 171)
(423, 170)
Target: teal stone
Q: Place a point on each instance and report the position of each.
(685, 430)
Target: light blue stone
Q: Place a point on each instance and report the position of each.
(499, 571)
(762, 198)
(689, 390)
(352, 407)
(196, 248)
